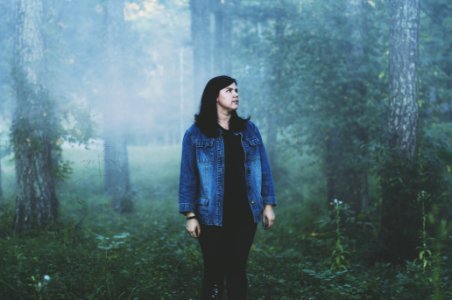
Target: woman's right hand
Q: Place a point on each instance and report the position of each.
(193, 228)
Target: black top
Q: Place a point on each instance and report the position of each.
(236, 209)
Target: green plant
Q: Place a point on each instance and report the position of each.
(338, 255)
(425, 254)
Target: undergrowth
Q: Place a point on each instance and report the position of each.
(94, 253)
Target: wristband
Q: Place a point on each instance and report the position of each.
(191, 217)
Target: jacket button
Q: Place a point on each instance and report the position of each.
(253, 202)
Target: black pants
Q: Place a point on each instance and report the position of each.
(225, 253)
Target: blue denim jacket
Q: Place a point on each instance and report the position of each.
(201, 185)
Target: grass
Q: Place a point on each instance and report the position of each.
(94, 253)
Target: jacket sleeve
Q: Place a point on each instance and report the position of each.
(268, 190)
(188, 180)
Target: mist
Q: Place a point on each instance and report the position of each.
(354, 102)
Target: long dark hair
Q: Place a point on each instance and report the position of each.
(206, 119)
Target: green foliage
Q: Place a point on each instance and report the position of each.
(95, 254)
(425, 253)
(339, 252)
(304, 72)
(312, 72)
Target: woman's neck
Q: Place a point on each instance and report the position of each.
(223, 119)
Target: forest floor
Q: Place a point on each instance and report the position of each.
(94, 253)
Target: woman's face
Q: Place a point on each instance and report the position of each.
(228, 98)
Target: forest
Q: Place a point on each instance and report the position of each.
(354, 102)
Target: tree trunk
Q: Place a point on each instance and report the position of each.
(223, 37)
(1, 185)
(403, 59)
(399, 179)
(117, 179)
(201, 42)
(116, 162)
(274, 90)
(332, 161)
(360, 181)
(33, 127)
(346, 152)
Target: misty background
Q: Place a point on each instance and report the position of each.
(354, 102)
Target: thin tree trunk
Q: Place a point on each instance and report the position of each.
(33, 128)
(330, 168)
(223, 37)
(116, 161)
(274, 91)
(201, 42)
(1, 181)
(117, 178)
(361, 189)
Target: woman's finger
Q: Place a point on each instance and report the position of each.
(194, 230)
(271, 222)
(269, 219)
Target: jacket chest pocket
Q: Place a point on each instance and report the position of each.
(205, 151)
(252, 148)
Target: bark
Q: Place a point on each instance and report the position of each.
(400, 174)
(201, 33)
(116, 164)
(33, 125)
(403, 60)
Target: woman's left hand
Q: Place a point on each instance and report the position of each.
(268, 216)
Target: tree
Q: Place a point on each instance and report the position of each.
(1, 185)
(116, 161)
(34, 127)
(403, 76)
(260, 49)
(223, 36)
(327, 74)
(400, 214)
(6, 43)
(201, 43)
(274, 86)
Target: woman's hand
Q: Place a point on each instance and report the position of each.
(268, 217)
(193, 228)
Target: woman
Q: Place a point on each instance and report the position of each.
(226, 188)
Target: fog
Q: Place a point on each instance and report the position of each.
(353, 99)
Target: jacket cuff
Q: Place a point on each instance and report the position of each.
(269, 200)
(186, 207)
